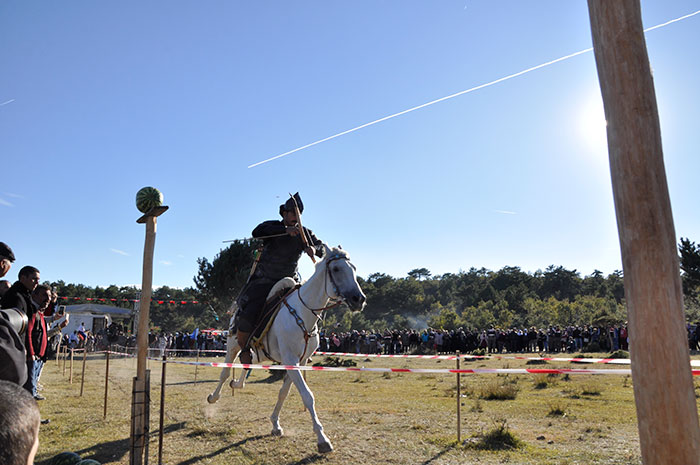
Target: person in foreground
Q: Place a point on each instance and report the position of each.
(19, 425)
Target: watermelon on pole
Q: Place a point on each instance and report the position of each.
(148, 198)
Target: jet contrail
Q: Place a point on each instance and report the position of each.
(5, 103)
(510, 76)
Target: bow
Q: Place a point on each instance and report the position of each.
(303, 234)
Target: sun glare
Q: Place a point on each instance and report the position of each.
(591, 124)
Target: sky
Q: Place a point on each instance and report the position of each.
(99, 99)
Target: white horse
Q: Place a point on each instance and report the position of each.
(293, 336)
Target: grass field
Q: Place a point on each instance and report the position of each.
(371, 418)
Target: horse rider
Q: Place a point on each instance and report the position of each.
(283, 245)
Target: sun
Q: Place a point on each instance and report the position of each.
(591, 123)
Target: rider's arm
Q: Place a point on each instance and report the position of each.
(314, 242)
(269, 228)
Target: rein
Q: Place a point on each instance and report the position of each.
(316, 311)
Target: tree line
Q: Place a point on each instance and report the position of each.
(477, 298)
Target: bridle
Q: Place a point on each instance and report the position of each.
(317, 311)
(335, 301)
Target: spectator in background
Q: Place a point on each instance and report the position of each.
(73, 342)
(162, 344)
(623, 337)
(19, 425)
(6, 258)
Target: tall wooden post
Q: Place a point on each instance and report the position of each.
(667, 414)
(140, 402)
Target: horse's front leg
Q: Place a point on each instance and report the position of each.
(240, 382)
(231, 352)
(275, 417)
(324, 444)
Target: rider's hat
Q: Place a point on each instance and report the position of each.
(288, 206)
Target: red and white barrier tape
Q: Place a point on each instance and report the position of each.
(517, 371)
(612, 361)
(619, 371)
(153, 301)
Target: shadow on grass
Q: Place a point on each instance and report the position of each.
(201, 381)
(437, 456)
(275, 375)
(222, 450)
(310, 459)
(112, 451)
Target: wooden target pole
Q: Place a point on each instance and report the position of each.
(140, 401)
(667, 414)
(70, 370)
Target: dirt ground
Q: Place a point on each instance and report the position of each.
(371, 418)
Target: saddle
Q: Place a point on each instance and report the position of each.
(278, 293)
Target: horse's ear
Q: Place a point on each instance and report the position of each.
(326, 250)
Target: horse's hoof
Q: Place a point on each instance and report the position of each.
(235, 385)
(277, 432)
(325, 447)
(211, 398)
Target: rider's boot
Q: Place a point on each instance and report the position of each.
(246, 356)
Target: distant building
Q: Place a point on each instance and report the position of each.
(95, 316)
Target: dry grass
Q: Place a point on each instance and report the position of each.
(498, 391)
(370, 418)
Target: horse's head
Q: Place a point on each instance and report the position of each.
(342, 281)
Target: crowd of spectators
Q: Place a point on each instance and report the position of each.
(186, 344)
(491, 340)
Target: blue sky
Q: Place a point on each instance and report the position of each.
(98, 99)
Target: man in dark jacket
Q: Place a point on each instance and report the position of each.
(19, 296)
(283, 243)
